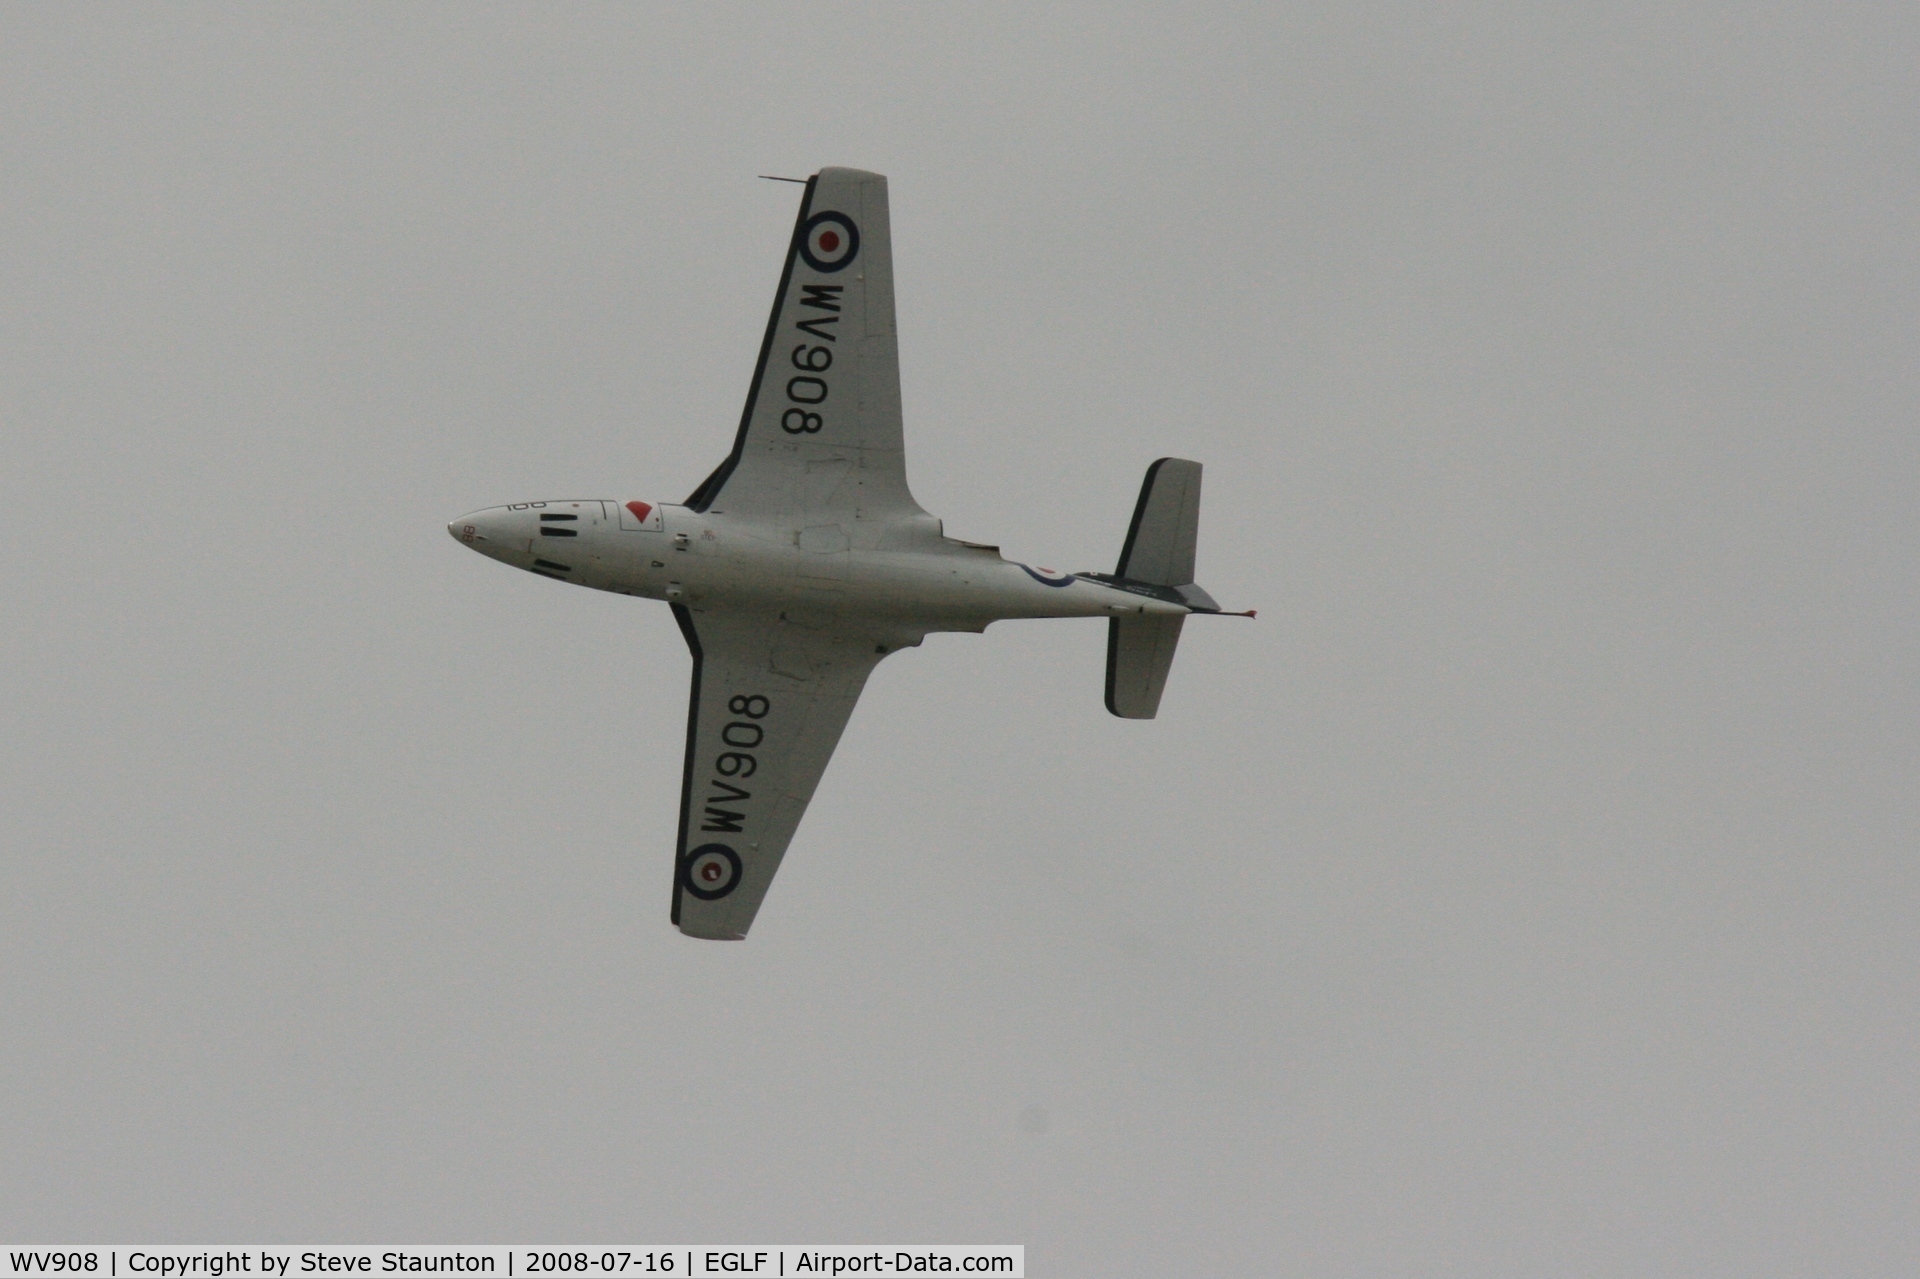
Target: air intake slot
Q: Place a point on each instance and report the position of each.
(558, 568)
(548, 519)
(559, 532)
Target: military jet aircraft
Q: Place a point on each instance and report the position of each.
(803, 560)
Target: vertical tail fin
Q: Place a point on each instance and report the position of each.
(1159, 550)
(1166, 525)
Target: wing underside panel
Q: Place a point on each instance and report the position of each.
(826, 390)
(769, 702)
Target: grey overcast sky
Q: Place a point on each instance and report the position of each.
(1531, 890)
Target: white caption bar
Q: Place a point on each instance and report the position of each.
(571, 1261)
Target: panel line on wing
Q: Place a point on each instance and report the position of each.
(687, 632)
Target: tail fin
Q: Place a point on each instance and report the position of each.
(1166, 525)
(1159, 550)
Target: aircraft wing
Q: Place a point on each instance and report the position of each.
(770, 699)
(821, 430)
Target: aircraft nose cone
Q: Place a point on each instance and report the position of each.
(479, 530)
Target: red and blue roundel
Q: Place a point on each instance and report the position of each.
(711, 871)
(1049, 576)
(828, 241)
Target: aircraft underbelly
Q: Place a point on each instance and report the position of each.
(829, 568)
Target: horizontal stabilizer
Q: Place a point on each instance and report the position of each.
(1159, 551)
(1139, 655)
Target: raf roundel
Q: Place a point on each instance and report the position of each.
(1048, 576)
(712, 871)
(828, 241)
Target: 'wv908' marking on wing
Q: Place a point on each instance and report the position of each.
(744, 736)
(808, 388)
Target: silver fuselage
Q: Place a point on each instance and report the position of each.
(903, 572)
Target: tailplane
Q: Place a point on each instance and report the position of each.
(1159, 551)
